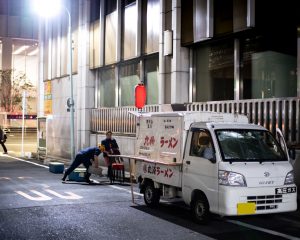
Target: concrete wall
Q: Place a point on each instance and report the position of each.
(58, 125)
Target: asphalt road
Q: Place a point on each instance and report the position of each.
(34, 204)
(14, 142)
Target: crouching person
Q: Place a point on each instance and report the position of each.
(87, 157)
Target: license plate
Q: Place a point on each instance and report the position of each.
(246, 208)
(285, 190)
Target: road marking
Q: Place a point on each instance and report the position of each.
(126, 190)
(5, 178)
(33, 163)
(41, 197)
(263, 229)
(25, 178)
(70, 196)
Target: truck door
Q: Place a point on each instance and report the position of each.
(200, 170)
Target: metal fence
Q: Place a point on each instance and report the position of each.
(271, 113)
(117, 119)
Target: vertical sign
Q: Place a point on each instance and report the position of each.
(47, 98)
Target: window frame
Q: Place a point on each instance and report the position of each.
(195, 130)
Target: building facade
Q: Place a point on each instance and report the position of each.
(18, 49)
(243, 51)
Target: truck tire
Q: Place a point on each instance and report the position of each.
(151, 195)
(200, 209)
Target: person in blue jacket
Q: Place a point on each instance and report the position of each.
(86, 157)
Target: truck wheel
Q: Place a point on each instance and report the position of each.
(151, 195)
(200, 209)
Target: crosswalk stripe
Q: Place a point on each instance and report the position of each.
(5, 178)
(25, 178)
(41, 196)
(70, 196)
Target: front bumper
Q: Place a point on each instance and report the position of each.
(265, 199)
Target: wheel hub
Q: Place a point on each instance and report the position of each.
(148, 194)
(200, 209)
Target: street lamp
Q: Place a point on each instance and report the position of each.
(48, 9)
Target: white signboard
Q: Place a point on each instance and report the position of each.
(160, 138)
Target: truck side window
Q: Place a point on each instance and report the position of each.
(201, 145)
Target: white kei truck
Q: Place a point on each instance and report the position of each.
(215, 162)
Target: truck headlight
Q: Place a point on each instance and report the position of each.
(231, 179)
(289, 179)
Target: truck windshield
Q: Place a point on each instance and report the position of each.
(249, 145)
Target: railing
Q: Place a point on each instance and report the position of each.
(117, 119)
(282, 113)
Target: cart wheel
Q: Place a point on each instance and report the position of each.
(151, 195)
(200, 209)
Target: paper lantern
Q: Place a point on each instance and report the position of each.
(140, 96)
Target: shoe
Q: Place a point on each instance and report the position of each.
(88, 181)
(5, 153)
(63, 179)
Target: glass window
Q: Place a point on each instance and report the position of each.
(15, 7)
(269, 67)
(64, 53)
(239, 14)
(187, 22)
(107, 87)
(25, 60)
(249, 145)
(75, 23)
(3, 7)
(95, 10)
(129, 77)
(54, 52)
(111, 31)
(110, 6)
(45, 52)
(202, 145)
(269, 60)
(223, 16)
(151, 79)
(95, 44)
(215, 71)
(130, 30)
(150, 26)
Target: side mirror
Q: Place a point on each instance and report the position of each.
(292, 153)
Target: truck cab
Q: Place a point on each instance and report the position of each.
(237, 169)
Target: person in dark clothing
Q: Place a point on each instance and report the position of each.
(3, 140)
(111, 147)
(85, 157)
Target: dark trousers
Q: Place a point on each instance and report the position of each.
(3, 146)
(79, 159)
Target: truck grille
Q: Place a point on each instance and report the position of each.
(265, 202)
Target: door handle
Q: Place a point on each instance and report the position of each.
(188, 162)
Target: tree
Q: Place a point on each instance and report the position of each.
(12, 86)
